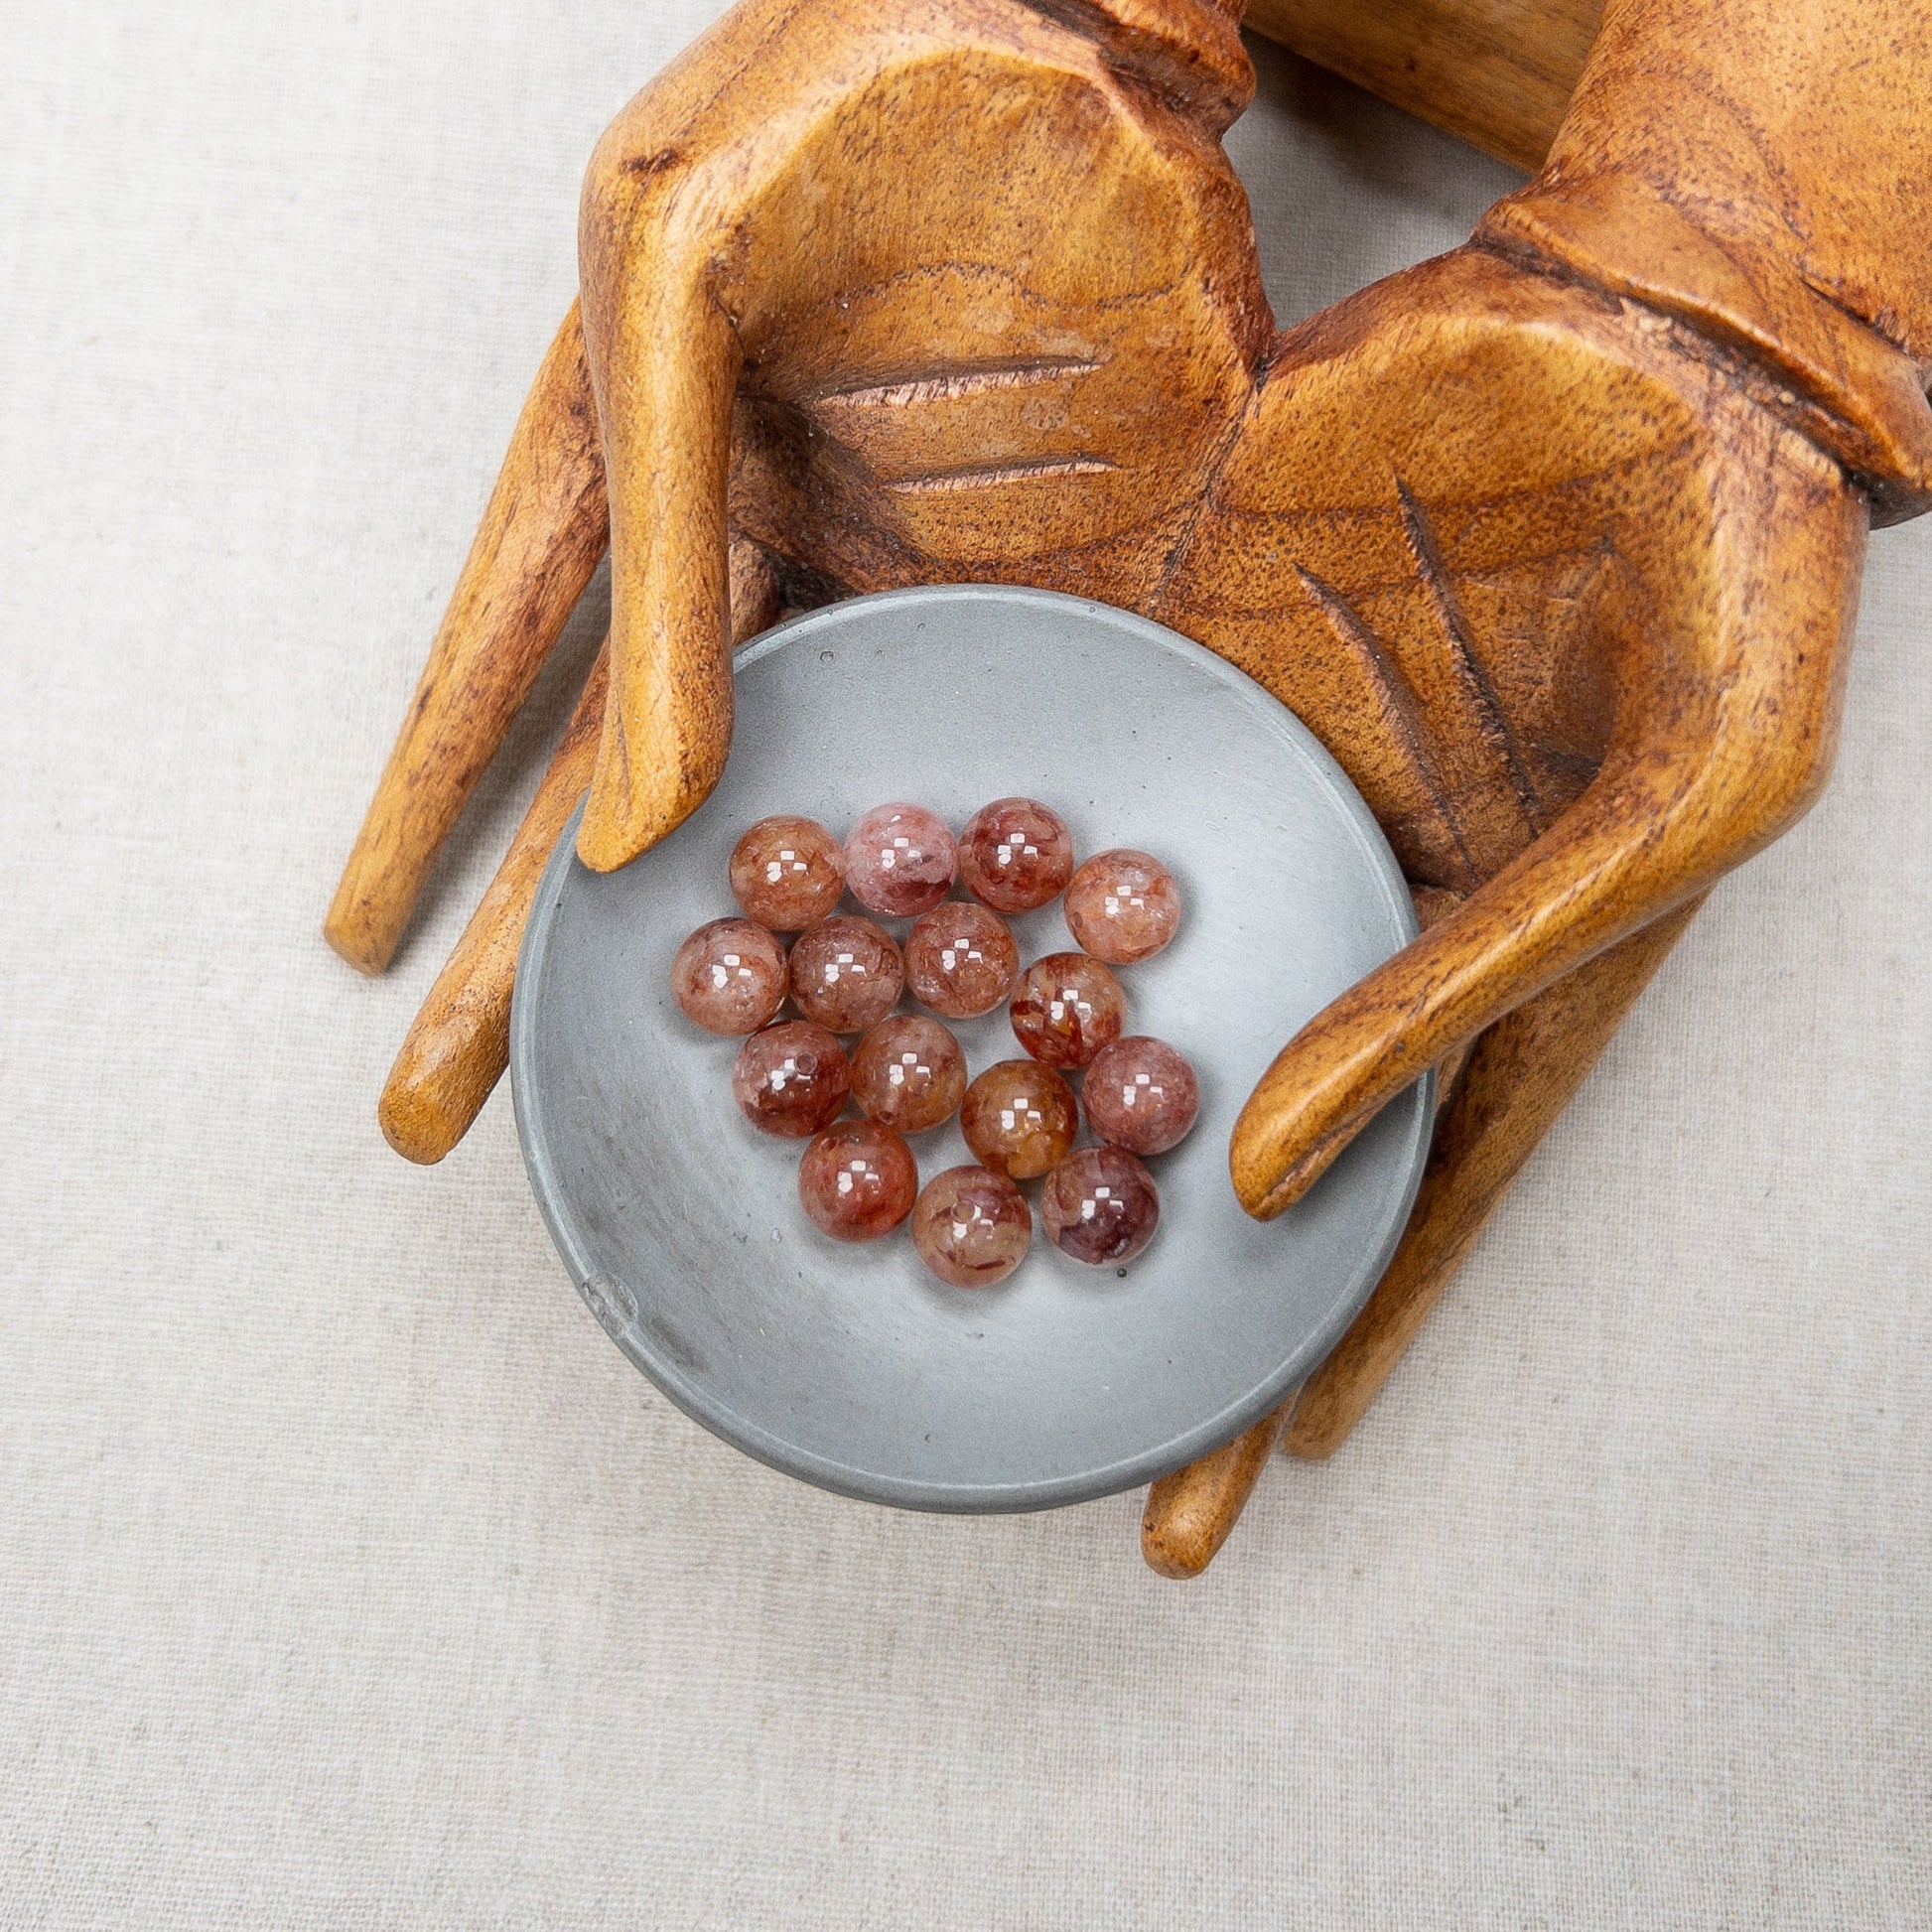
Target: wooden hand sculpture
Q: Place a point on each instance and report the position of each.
(1554, 541)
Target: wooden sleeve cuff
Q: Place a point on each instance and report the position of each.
(1854, 393)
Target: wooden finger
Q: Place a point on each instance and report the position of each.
(540, 540)
(459, 1043)
(1188, 1514)
(665, 357)
(1520, 1077)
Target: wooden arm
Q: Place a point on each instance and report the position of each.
(1498, 73)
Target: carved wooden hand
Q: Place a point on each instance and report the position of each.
(1666, 389)
(1553, 541)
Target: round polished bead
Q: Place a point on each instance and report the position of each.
(1015, 855)
(908, 1073)
(791, 1080)
(846, 973)
(972, 1228)
(1141, 1095)
(1123, 905)
(787, 872)
(730, 976)
(1100, 1205)
(1067, 1007)
(1020, 1118)
(961, 960)
(900, 861)
(857, 1181)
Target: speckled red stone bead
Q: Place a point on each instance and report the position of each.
(1100, 1205)
(1015, 855)
(1067, 1007)
(846, 973)
(972, 1228)
(1018, 1118)
(787, 872)
(791, 1080)
(857, 1181)
(730, 976)
(900, 861)
(908, 1073)
(1123, 905)
(1141, 1095)
(961, 960)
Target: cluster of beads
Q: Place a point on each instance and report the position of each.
(844, 973)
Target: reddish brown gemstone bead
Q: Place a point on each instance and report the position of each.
(900, 860)
(1123, 905)
(787, 872)
(730, 976)
(1141, 1095)
(1015, 855)
(857, 1181)
(1067, 1007)
(846, 973)
(961, 960)
(972, 1228)
(908, 1073)
(791, 1080)
(1100, 1205)
(1020, 1118)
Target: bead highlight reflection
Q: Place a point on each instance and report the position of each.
(900, 861)
(1123, 905)
(1018, 1118)
(787, 872)
(846, 973)
(857, 1181)
(972, 1228)
(961, 960)
(1015, 855)
(791, 1080)
(1100, 1205)
(908, 1073)
(729, 976)
(1141, 1095)
(1067, 1007)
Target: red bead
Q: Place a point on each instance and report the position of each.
(900, 861)
(791, 1080)
(1067, 1007)
(1020, 1118)
(846, 973)
(1123, 905)
(908, 1073)
(857, 1181)
(1141, 1095)
(961, 960)
(730, 976)
(972, 1228)
(1100, 1205)
(787, 872)
(1015, 855)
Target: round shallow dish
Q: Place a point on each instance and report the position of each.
(852, 1367)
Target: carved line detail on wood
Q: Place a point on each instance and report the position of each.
(988, 475)
(1402, 715)
(1472, 675)
(947, 382)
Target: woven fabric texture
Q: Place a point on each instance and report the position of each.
(349, 1577)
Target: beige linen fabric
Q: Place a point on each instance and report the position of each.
(349, 1577)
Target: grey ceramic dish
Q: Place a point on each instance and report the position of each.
(853, 1367)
